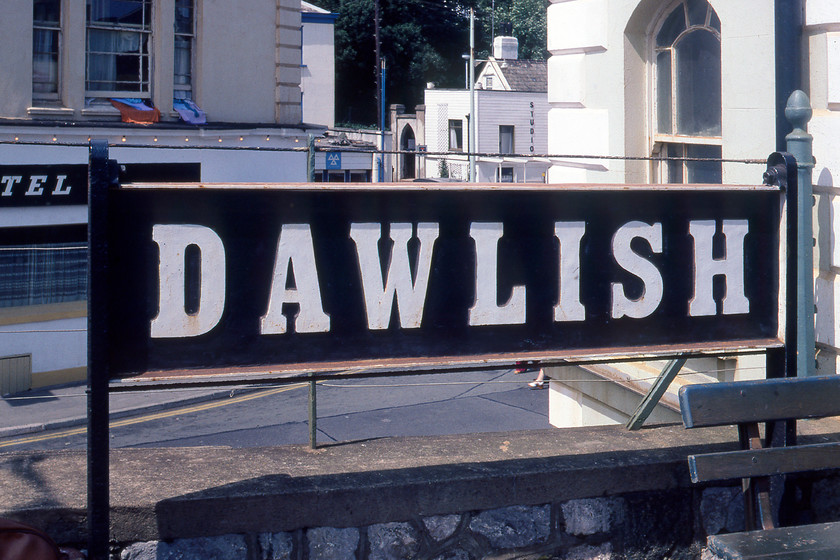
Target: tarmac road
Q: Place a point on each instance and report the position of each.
(349, 409)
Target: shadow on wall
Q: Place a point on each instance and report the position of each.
(825, 283)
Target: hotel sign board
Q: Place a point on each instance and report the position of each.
(299, 278)
(43, 185)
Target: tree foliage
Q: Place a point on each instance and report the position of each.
(421, 41)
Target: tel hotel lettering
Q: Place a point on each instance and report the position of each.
(41, 185)
(294, 274)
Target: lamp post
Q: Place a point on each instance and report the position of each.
(466, 58)
(472, 127)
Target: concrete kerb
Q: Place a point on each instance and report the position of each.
(75, 420)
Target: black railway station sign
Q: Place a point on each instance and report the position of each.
(289, 278)
(270, 282)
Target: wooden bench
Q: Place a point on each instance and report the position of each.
(746, 404)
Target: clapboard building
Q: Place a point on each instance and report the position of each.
(511, 109)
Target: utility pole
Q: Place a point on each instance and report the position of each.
(377, 172)
(471, 124)
(378, 56)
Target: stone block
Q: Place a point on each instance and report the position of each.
(441, 527)
(393, 541)
(276, 546)
(327, 543)
(227, 547)
(592, 515)
(587, 552)
(514, 527)
(722, 509)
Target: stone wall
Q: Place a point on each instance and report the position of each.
(574, 494)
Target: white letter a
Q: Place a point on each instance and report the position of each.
(295, 249)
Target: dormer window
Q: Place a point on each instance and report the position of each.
(488, 82)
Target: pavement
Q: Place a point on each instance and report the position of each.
(65, 406)
(62, 407)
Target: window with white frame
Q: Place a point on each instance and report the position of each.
(118, 62)
(456, 135)
(184, 40)
(687, 100)
(46, 44)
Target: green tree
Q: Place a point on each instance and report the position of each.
(527, 19)
(421, 41)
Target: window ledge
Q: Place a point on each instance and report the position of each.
(50, 111)
(46, 312)
(101, 111)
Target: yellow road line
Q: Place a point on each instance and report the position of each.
(155, 416)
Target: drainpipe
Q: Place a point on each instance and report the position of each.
(790, 19)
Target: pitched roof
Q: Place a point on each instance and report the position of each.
(311, 8)
(525, 75)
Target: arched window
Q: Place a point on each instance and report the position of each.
(687, 100)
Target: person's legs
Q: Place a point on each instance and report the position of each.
(539, 382)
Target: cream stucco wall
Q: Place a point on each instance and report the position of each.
(599, 87)
(16, 46)
(236, 59)
(822, 37)
(318, 74)
(246, 62)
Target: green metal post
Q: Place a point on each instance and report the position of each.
(800, 145)
(310, 160)
(313, 415)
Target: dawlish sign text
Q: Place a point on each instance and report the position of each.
(226, 276)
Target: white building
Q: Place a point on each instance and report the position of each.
(656, 79)
(207, 79)
(318, 66)
(510, 109)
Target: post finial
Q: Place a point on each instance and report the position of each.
(798, 109)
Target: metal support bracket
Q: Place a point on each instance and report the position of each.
(669, 372)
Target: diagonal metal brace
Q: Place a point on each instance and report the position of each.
(666, 376)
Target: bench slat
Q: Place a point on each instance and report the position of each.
(750, 463)
(805, 542)
(764, 400)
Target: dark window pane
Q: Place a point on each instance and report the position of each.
(697, 10)
(184, 17)
(698, 84)
(663, 93)
(455, 135)
(704, 171)
(671, 29)
(675, 166)
(714, 21)
(120, 13)
(505, 139)
(45, 61)
(46, 12)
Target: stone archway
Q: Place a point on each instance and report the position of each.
(408, 168)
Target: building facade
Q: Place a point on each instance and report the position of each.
(693, 91)
(510, 112)
(196, 90)
(318, 65)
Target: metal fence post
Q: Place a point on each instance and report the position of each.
(313, 414)
(800, 145)
(310, 159)
(101, 175)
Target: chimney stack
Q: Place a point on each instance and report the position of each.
(506, 48)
